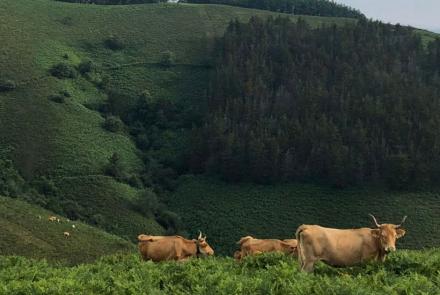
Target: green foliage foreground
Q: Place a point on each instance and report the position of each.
(405, 272)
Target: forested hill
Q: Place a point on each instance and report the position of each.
(347, 105)
(299, 7)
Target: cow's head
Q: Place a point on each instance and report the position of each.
(387, 234)
(203, 246)
(237, 255)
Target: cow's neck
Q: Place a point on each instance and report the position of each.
(198, 252)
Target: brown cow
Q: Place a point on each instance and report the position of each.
(346, 247)
(159, 248)
(252, 246)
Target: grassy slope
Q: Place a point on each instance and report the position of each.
(228, 212)
(66, 141)
(23, 233)
(112, 201)
(405, 272)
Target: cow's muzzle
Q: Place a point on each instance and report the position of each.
(390, 249)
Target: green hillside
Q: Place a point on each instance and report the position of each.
(26, 231)
(54, 126)
(51, 124)
(228, 212)
(404, 272)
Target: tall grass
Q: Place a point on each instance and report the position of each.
(405, 272)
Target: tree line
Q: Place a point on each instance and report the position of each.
(341, 104)
(301, 7)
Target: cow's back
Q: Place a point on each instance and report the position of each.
(159, 250)
(339, 247)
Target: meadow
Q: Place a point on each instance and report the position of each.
(26, 231)
(404, 272)
(226, 212)
(65, 141)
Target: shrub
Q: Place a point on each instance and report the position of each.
(113, 43)
(86, 66)
(63, 70)
(170, 221)
(167, 58)
(147, 203)
(65, 93)
(7, 85)
(57, 98)
(113, 124)
(11, 182)
(115, 168)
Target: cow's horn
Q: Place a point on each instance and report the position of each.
(200, 235)
(403, 220)
(374, 219)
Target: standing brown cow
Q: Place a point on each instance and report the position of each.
(346, 247)
(159, 248)
(252, 246)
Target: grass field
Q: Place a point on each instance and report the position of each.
(26, 231)
(226, 212)
(66, 141)
(404, 272)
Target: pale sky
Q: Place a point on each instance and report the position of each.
(423, 14)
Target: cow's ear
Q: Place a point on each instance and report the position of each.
(400, 232)
(375, 233)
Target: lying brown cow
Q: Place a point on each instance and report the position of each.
(252, 246)
(159, 248)
(346, 247)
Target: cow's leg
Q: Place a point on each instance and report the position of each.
(308, 266)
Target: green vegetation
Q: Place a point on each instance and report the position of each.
(301, 7)
(404, 272)
(25, 230)
(292, 103)
(227, 212)
(63, 63)
(67, 67)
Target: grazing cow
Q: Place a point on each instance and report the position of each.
(160, 248)
(66, 234)
(252, 246)
(52, 218)
(346, 247)
(73, 226)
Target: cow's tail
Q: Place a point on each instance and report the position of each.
(244, 239)
(301, 257)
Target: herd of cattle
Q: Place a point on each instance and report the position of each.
(336, 247)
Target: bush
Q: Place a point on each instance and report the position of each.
(115, 168)
(11, 182)
(7, 85)
(57, 98)
(86, 66)
(170, 221)
(63, 70)
(113, 124)
(113, 43)
(147, 203)
(60, 97)
(167, 58)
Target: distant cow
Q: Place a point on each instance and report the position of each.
(346, 247)
(52, 218)
(252, 246)
(66, 234)
(160, 248)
